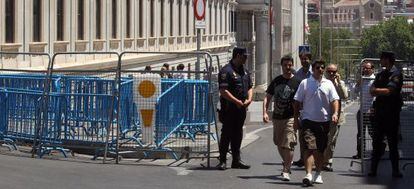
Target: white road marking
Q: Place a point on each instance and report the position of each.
(257, 130)
(181, 171)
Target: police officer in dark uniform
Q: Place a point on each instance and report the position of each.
(235, 96)
(387, 106)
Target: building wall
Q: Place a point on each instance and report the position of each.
(288, 31)
(215, 38)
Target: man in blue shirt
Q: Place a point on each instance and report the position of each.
(303, 73)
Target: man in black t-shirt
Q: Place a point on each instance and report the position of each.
(283, 89)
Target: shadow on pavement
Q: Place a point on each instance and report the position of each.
(287, 183)
(271, 163)
(271, 177)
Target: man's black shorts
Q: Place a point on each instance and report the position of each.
(315, 135)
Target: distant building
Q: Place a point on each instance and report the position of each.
(110, 25)
(252, 31)
(352, 14)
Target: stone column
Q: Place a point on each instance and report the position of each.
(262, 51)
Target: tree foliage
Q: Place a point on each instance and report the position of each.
(395, 35)
(343, 46)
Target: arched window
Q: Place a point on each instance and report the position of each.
(371, 16)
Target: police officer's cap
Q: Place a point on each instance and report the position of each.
(240, 51)
(388, 54)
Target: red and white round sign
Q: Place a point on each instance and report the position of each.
(199, 9)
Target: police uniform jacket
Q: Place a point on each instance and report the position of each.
(386, 105)
(236, 81)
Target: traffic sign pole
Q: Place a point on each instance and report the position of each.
(199, 14)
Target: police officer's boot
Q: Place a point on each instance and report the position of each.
(238, 164)
(374, 166)
(396, 169)
(222, 166)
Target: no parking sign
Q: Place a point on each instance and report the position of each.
(200, 13)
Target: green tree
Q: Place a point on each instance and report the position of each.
(343, 47)
(395, 35)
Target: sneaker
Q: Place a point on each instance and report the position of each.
(307, 180)
(298, 163)
(285, 176)
(318, 178)
(328, 167)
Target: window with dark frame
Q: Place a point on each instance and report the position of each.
(60, 14)
(152, 18)
(171, 17)
(114, 18)
(140, 19)
(179, 18)
(162, 18)
(225, 19)
(210, 23)
(37, 20)
(98, 19)
(81, 19)
(215, 19)
(187, 18)
(128, 19)
(9, 21)
(221, 19)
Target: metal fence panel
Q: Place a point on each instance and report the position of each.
(181, 122)
(406, 131)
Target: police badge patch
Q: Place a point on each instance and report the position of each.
(223, 76)
(395, 79)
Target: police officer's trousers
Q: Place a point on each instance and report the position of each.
(386, 125)
(232, 132)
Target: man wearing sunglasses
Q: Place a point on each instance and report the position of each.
(340, 87)
(318, 100)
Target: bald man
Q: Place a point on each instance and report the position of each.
(332, 74)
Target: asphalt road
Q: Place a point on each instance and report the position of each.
(23, 172)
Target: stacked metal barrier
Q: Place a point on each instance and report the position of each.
(406, 116)
(100, 110)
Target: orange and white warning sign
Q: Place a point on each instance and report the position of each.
(147, 88)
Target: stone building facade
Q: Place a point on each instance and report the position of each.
(109, 25)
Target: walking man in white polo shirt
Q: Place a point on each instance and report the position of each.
(318, 99)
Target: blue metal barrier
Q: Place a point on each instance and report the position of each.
(22, 114)
(169, 112)
(28, 81)
(89, 102)
(3, 122)
(79, 110)
(128, 116)
(196, 107)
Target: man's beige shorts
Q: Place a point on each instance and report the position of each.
(284, 135)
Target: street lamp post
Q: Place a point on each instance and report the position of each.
(320, 28)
